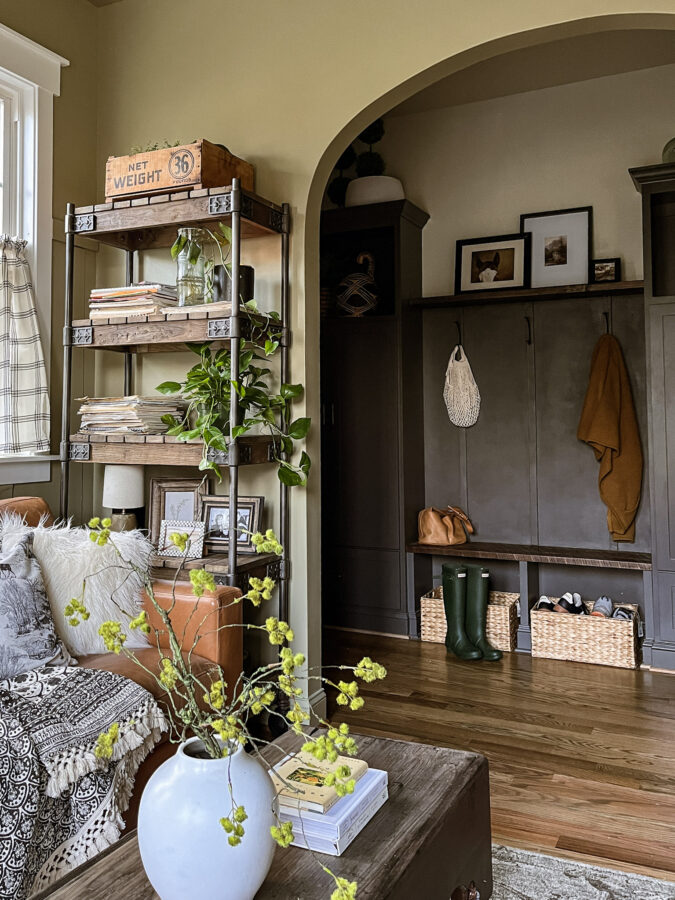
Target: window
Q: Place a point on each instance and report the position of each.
(30, 77)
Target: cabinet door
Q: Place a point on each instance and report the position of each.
(662, 393)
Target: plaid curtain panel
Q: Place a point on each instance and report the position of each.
(24, 398)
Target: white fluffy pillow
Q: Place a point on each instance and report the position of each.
(66, 556)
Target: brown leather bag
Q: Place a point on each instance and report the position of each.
(443, 526)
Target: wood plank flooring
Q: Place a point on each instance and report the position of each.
(582, 758)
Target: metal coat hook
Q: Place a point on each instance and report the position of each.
(529, 330)
(608, 324)
(459, 332)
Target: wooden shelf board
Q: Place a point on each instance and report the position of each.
(148, 222)
(558, 556)
(162, 450)
(532, 294)
(147, 334)
(216, 563)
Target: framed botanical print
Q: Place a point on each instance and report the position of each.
(492, 263)
(216, 518)
(561, 246)
(178, 499)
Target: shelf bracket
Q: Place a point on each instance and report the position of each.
(218, 328)
(77, 451)
(285, 336)
(79, 336)
(238, 455)
(220, 204)
(85, 222)
(277, 220)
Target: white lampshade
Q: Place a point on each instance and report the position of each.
(123, 487)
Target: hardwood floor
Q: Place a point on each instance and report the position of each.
(582, 758)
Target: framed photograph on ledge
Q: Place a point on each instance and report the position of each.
(194, 531)
(216, 517)
(561, 246)
(492, 263)
(178, 499)
(605, 270)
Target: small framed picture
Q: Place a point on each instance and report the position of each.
(194, 531)
(216, 518)
(561, 246)
(177, 499)
(606, 269)
(492, 263)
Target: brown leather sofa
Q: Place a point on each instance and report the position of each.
(198, 623)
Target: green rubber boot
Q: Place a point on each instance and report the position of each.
(454, 601)
(477, 592)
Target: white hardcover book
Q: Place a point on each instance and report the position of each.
(333, 824)
(338, 846)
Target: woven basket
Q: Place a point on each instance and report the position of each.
(502, 618)
(587, 639)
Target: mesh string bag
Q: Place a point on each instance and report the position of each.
(460, 393)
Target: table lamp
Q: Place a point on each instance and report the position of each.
(123, 489)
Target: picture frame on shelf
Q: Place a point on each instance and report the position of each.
(194, 531)
(177, 499)
(216, 520)
(492, 263)
(561, 248)
(606, 270)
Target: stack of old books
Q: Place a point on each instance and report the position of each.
(127, 415)
(321, 820)
(144, 299)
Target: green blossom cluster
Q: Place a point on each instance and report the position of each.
(267, 543)
(369, 671)
(75, 612)
(100, 530)
(260, 589)
(349, 695)
(263, 697)
(216, 695)
(113, 636)
(333, 743)
(168, 674)
(228, 730)
(278, 631)
(201, 581)
(233, 825)
(283, 834)
(340, 780)
(106, 741)
(141, 622)
(345, 890)
(179, 539)
(297, 716)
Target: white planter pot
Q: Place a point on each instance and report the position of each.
(373, 189)
(184, 848)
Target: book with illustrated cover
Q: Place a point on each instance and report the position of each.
(300, 781)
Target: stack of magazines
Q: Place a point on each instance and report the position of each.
(144, 299)
(127, 415)
(321, 820)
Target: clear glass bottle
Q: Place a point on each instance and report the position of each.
(191, 262)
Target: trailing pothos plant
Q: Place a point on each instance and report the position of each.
(207, 390)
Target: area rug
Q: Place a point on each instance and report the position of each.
(520, 875)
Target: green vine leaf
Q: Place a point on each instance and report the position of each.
(298, 429)
(168, 387)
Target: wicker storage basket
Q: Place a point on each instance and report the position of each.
(502, 618)
(587, 639)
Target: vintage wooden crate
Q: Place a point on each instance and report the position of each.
(501, 620)
(189, 166)
(587, 639)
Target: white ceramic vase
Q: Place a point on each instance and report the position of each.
(183, 846)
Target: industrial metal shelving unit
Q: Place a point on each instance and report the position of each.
(149, 223)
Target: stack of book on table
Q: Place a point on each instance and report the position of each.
(321, 820)
(127, 415)
(144, 299)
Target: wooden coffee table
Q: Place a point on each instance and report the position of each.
(431, 836)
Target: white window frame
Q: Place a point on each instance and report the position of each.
(30, 78)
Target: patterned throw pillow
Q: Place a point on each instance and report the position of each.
(28, 638)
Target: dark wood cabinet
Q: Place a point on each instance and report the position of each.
(657, 186)
(371, 410)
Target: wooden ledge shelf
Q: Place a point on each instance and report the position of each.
(160, 449)
(144, 223)
(259, 564)
(155, 334)
(606, 289)
(557, 556)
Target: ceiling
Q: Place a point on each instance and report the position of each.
(546, 65)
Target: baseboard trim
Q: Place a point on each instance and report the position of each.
(403, 637)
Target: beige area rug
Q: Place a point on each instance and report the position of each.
(521, 875)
